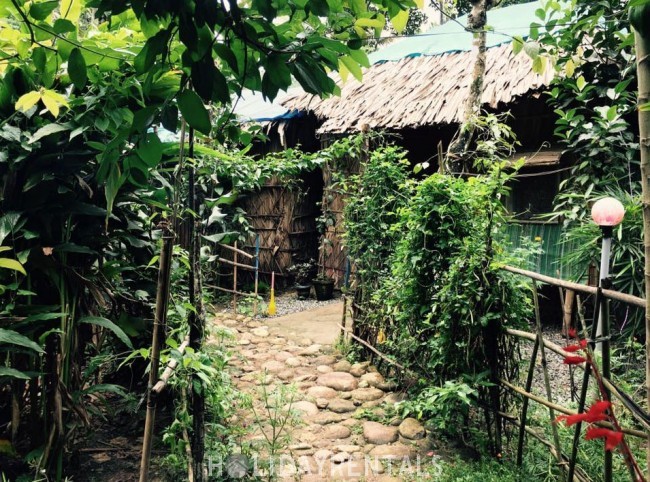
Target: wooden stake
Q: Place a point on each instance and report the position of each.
(524, 407)
(257, 273)
(160, 320)
(547, 381)
(569, 297)
(234, 281)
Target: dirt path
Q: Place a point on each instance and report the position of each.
(325, 418)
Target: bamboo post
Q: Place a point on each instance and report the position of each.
(639, 19)
(524, 408)
(583, 390)
(547, 381)
(257, 273)
(569, 297)
(234, 281)
(160, 317)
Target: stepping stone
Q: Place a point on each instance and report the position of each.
(338, 381)
(325, 360)
(373, 379)
(286, 374)
(322, 392)
(304, 406)
(378, 434)
(282, 356)
(273, 366)
(359, 369)
(340, 458)
(367, 394)
(323, 454)
(326, 417)
(342, 366)
(294, 362)
(394, 452)
(324, 369)
(335, 432)
(311, 350)
(260, 332)
(322, 403)
(338, 405)
(411, 429)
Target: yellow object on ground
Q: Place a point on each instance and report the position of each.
(271, 309)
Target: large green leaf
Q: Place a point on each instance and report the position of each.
(109, 325)
(40, 11)
(194, 112)
(12, 264)
(77, 69)
(48, 130)
(13, 373)
(13, 338)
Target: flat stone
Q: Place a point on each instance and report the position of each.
(345, 395)
(378, 434)
(411, 429)
(305, 378)
(395, 397)
(304, 406)
(359, 369)
(325, 360)
(338, 381)
(340, 458)
(335, 432)
(373, 379)
(304, 342)
(324, 369)
(342, 366)
(338, 405)
(321, 392)
(323, 454)
(294, 361)
(302, 446)
(322, 402)
(286, 374)
(244, 342)
(348, 448)
(273, 366)
(260, 332)
(397, 451)
(367, 394)
(326, 417)
(311, 350)
(282, 356)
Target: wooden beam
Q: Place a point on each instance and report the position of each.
(578, 287)
(236, 250)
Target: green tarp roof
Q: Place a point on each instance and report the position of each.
(506, 22)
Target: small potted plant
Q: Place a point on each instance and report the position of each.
(323, 284)
(302, 274)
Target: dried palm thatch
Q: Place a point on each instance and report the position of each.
(424, 90)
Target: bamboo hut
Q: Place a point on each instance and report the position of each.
(415, 88)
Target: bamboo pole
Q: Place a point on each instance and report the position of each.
(577, 287)
(160, 318)
(257, 273)
(237, 264)
(161, 384)
(639, 20)
(237, 250)
(569, 297)
(234, 280)
(524, 408)
(547, 381)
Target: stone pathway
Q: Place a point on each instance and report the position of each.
(338, 419)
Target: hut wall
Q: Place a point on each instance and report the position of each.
(285, 220)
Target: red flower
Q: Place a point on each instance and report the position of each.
(574, 360)
(612, 438)
(573, 333)
(596, 413)
(574, 348)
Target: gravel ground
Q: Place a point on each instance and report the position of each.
(559, 373)
(285, 303)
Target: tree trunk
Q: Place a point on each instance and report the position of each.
(457, 161)
(642, 38)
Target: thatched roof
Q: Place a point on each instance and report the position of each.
(423, 90)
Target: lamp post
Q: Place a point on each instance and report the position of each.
(606, 213)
